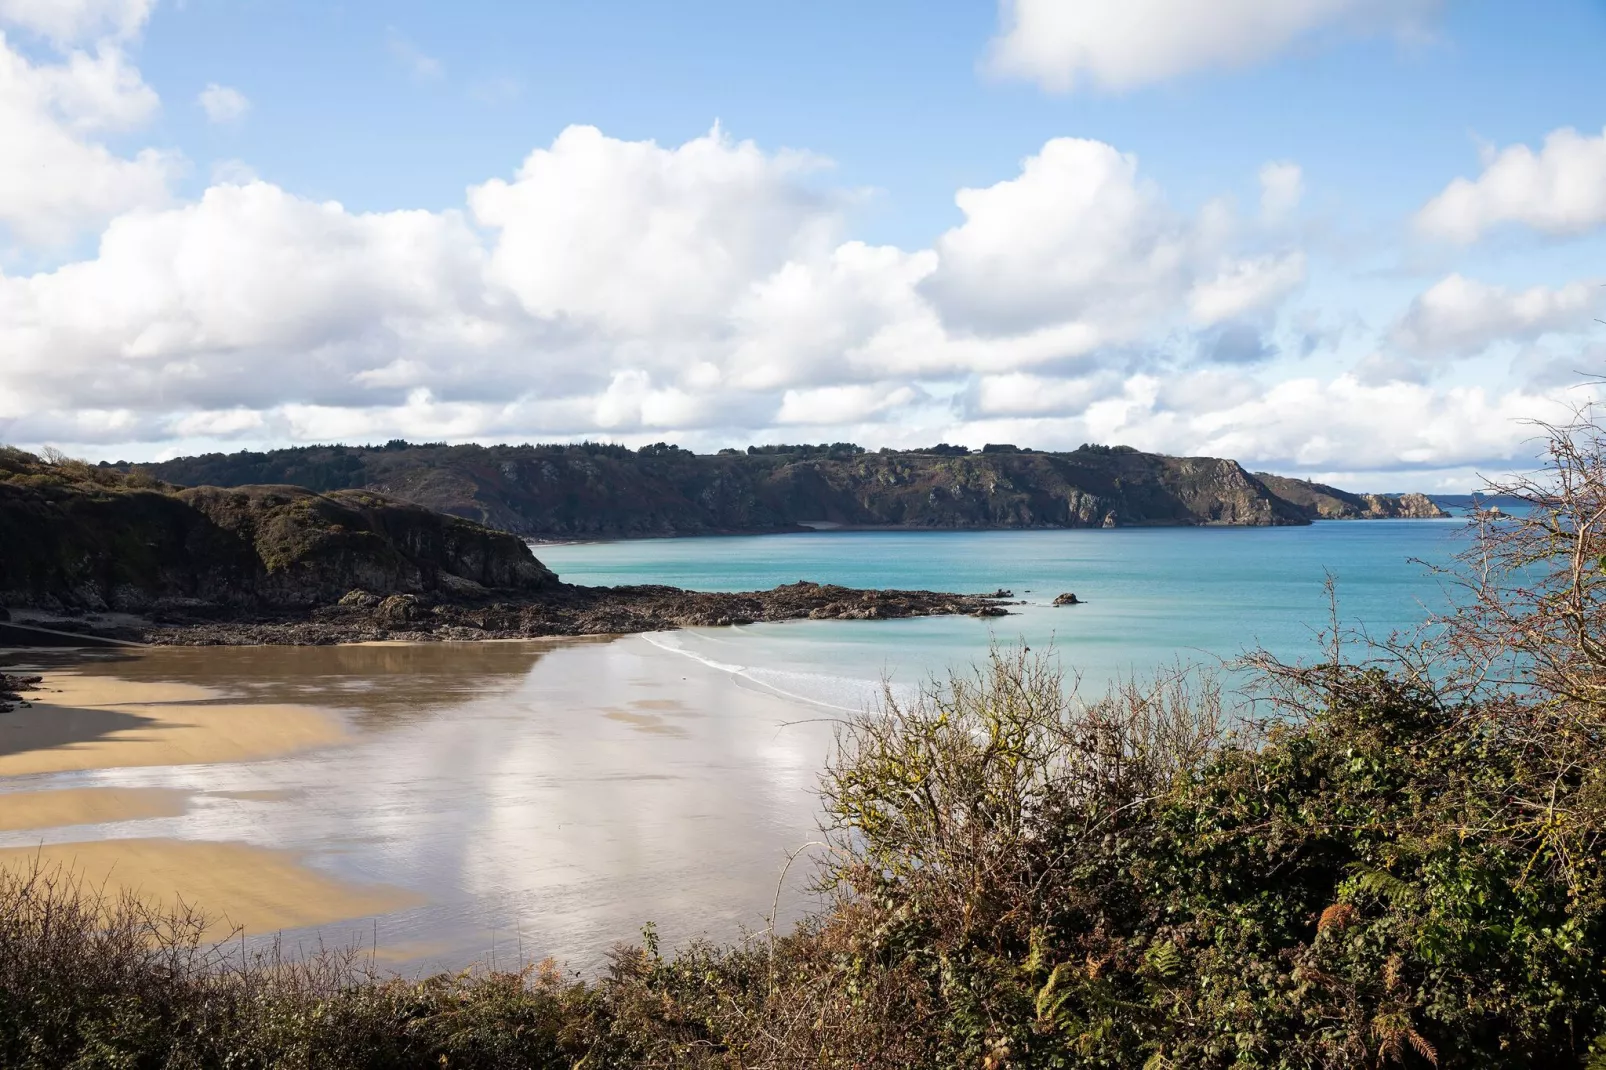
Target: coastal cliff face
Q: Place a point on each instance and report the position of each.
(1330, 503)
(95, 538)
(594, 491)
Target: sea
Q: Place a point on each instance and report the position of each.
(1150, 599)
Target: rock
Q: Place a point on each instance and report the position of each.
(990, 611)
(90, 539)
(1001, 593)
(1068, 599)
(398, 609)
(359, 598)
(10, 685)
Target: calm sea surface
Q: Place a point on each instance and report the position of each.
(1153, 595)
(553, 796)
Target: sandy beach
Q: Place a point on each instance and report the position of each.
(87, 806)
(79, 722)
(550, 795)
(233, 885)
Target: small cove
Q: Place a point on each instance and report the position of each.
(526, 799)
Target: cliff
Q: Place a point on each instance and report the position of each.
(95, 538)
(592, 491)
(1330, 503)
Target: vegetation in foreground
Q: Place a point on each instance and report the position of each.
(1401, 868)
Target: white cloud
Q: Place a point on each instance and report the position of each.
(1062, 44)
(223, 104)
(1282, 187)
(1560, 190)
(55, 180)
(1245, 286)
(419, 64)
(1078, 236)
(699, 292)
(828, 405)
(66, 22)
(1458, 315)
(642, 239)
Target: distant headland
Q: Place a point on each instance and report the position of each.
(597, 490)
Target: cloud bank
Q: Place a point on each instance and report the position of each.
(710, 292)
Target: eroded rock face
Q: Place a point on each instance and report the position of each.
(97, 539)
(1321, 502)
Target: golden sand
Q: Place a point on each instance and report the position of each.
(232, 884)
(86, 806)
(97, 722)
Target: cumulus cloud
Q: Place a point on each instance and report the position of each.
(1245, 286)
(1459, 316)
(700, 292)
(66, 22)
(641, 238)
(1064, 44)
(1077, 236)
(56, 179)
(223, 104)
(1560, 190)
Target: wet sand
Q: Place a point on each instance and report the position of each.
(550, 796)
(233, 885)
(87, 806)
(80, 722)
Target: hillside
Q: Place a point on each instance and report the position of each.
(1330, 503)
(591, 490)
(96, 538)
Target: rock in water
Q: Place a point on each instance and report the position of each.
(1068, 599)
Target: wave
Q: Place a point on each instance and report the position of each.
(815, 689)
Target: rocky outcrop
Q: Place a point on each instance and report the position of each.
(560, 609)
(95, 539)
(1321, 502)
(1067, 599)
(596, 491)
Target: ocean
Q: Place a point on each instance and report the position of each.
(1152, 597)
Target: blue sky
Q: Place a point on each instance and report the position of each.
(201, 293)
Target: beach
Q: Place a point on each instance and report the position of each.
(445, 801)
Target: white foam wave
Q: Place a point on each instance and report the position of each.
(767, 679)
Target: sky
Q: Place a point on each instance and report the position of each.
(1355, 240)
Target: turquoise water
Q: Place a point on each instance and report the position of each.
(1153, 595)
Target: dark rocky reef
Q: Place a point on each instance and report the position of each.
(1322, 502)
(604, 491)
(560, 609)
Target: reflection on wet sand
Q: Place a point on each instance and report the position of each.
(79, 721)
(374, 683)
(233, 885)
(557, 794)
(87, 806)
